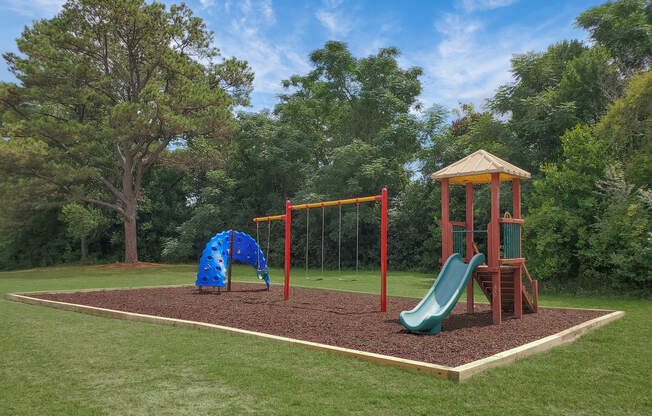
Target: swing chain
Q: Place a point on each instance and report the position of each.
(307, 236)
(257, 251)
(269, 231)
(357, 227)
(339, 240)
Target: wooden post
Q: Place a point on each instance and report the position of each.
(228, 270)
(446, 232)
(494, 250)
(469, 243)
(518, 278)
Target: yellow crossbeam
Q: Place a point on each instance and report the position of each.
(269, 218)
(321, 204)
(338, 202)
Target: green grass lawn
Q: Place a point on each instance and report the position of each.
(60, 362)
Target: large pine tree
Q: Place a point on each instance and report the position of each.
(104, 88)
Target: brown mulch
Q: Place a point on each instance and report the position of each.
(345, 319)
(137, 265)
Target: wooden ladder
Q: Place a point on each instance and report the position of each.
(530, 301)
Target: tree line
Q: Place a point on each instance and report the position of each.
(123, 143)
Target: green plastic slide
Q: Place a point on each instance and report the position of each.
(426, 317)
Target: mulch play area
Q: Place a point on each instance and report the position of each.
(344, 319)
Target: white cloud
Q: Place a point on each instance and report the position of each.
(337, 24)
(332, 4)
(34, 8)
(478, 5)
(458, 34)
(337, 21)
(247, 30)
(268, 11)
(469, 62)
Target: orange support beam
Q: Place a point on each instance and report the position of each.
(494, 250)
(446, 229)
(518, 278)
(469, 243)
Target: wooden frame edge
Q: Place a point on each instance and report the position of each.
(438, 371)
(92, 289)
(566, 336)
(455, 374)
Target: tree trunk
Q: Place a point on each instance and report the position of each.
(84, 248)
(131, 248)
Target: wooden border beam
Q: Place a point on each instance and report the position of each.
(456, 374)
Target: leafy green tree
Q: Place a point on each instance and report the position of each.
(563, 206)
(266, 164)
(624, 28)
(537, 116)
(588, 219)
(104, 88)
(590, 82)
(470, 131)
(414, 235)
(164, 207)
(355, 116)
(555, 90)
(81, 223)
(345, 100)
(626, 129)
(619, 252)
(38, 240)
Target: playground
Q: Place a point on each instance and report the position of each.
(342, 319)
(434, 334)
(326, 208)
(62, 362)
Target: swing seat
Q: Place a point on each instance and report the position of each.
(263, 274)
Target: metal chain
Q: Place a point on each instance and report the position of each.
(357, 226)
(257, 251)
(269, 231)
(307, 238)
(339, 242)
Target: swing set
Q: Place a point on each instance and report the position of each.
(287, 218)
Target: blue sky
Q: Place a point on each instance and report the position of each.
(463, 46)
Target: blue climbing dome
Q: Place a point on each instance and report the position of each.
(215, 258)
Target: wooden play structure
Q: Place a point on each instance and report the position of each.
(501, 278)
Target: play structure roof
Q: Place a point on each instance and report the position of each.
(478, 167)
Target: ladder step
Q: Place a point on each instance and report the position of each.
(484, 280)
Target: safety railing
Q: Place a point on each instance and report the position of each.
(511, 237)
(459, 238)
(534, 286)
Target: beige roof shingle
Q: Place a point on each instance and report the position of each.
(478, 167)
